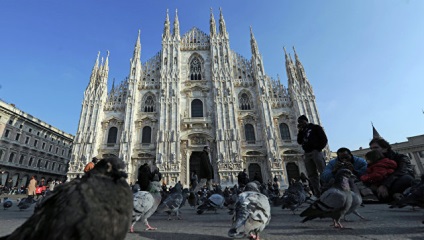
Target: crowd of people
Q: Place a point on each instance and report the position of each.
(383, 175)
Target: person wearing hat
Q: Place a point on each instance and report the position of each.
(313, 139)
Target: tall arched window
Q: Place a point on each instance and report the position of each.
(149, 104)
(196, 108)
(249, 132)
(195, 69)
(113, 133)
(146, 136)
(245, 103)
(284, 132)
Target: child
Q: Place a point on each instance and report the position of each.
(379, 167)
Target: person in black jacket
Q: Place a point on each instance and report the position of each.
(206, 170)
(144, 177)
(401, 178)
(313, 139)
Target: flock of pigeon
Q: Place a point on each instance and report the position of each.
(85, 208)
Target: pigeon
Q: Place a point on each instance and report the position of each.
(252, 214)
(7, 203)
(173, 203)
(252, 186)
(84, 208)
(356, 200)
(145, 204)
(192, 199)
(333, 203)
(293, 197)
(25, 203)
(212, 203)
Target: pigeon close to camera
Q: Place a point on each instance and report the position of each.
(7, 203)
(252, 214)
(333, 203)
(145, 204)
(96, 207)
(294, 196)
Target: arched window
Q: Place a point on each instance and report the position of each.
(113, 133)
(284, 132)
(245, 103)
(195, 69)
(146, 136)
(11, 157)
(196, 108)
(249, 132)
(149, 104)
(30, 161)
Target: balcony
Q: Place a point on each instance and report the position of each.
(251, 143)
(197, 122)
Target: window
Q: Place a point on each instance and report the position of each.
(10, 122)
(146, 135)
(35, 143)
(30, 130)
(21, 159)
(63, 151)
(196, 108)
(149, 104)
(53, 166)
(57, 149)
(6, 134)
(249, 131)
(245, 103)
(113, 133)
(30, 161)
(50, 148)
(284, 132)
(17, 137)
(421, 153)
(42, 146)
(11, 157)
(46, 164)
(1, 154)
(26, 140)
(20, 126)
(39, 163)
(38, 134)
(195, 69)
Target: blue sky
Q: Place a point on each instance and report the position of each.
(364, 58)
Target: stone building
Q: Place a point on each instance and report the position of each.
(31, 147)
(196, 91)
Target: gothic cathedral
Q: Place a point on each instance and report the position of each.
(196, 92)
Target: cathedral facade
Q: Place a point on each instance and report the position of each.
(196, 92)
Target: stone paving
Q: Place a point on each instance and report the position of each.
(384, 223)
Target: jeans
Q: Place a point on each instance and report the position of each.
(315, 164)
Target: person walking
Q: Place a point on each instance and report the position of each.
(206, 170)
(313, 139)
(31, 187)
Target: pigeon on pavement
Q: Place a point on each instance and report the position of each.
(145, 204)
(252, 214)
(7, 203)
(94, 207)
(333, 203)
(356, 200)
(294, 196)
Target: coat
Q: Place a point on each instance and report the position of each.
(206, 169)
(31, 187)
(378, 171)
(144, 177)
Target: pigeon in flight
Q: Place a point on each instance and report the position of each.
(145, 204)
(252, 214)
(333, 203)
(96, 207)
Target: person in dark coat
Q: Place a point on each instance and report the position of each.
(401, 178)
(242, 178)
(206, 170)
(144, 177)
(313, 140)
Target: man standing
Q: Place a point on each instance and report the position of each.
(206, 170)
(242, 178)
(90, 165)
(313, 139)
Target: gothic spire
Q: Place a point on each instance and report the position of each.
(96, 65)
(222, 27)
(253, 44)
(137, 48)
(375, 134)
(298, 63)
(106, 64)
(176, 25)
(166, 29)
(212, 25)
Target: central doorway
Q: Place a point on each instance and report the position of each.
(195, 162)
